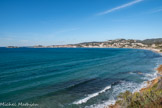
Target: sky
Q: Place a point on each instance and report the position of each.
(58, 22)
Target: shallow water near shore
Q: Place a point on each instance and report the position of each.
(73, 77)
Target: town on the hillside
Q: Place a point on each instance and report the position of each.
(117, 43)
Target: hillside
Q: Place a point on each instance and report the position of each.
(117, 43)
(152, 41)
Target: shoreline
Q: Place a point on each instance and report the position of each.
(150, 83)
(153, 50)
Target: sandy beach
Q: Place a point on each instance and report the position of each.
(154, 50)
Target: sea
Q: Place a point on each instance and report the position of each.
(73, 77)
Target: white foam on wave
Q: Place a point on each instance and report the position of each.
(147, 77)
(140, 86)
(117, 89)
(150, 76)
(122, 87)
(102, 105)
(131, 73)
(84, 100)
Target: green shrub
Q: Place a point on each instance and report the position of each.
(149, 98)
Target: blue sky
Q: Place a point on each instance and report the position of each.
(53, 22)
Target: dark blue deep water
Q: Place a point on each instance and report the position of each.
(73, 77)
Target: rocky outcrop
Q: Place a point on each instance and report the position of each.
(159, 69)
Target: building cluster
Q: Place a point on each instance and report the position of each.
(119, 43)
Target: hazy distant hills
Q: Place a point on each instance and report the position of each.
(146, 41)
(117, 43)
(152, 41)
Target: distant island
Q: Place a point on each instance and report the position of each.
(154, 44)
(13, 47)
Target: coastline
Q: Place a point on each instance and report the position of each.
(153, 50)
(150, 83)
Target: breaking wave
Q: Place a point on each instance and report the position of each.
(84, 100)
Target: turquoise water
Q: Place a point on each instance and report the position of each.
(73, 77)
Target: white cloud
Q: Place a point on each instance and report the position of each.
(120, 7)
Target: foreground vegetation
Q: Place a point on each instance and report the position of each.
(149, 98)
